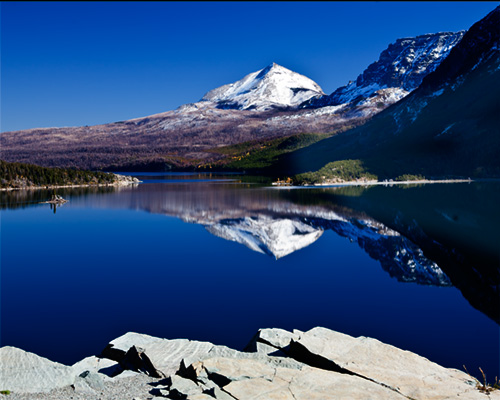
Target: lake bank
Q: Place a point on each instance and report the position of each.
(374, 183)
(121, 180)
(318, 363)
(390, 183)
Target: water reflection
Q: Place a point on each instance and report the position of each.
(437, 235)
(455, 225)
(99, 269)
(269, 221)
(14, 199)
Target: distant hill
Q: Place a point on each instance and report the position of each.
(448, 126)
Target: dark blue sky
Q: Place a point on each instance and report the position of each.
(85, 63)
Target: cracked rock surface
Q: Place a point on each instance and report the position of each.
(276, 364)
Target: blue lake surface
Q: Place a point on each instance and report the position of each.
(216, 258)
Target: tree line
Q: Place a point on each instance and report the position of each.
(13, 174)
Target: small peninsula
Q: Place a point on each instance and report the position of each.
(20, 176)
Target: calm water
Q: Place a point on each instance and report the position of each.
(217, 258)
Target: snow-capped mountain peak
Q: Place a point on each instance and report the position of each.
(402, 66)
(272, 87)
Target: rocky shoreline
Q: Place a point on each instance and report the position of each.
(276, 364)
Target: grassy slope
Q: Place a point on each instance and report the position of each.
(261, 154)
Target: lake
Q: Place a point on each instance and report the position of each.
(216, 257)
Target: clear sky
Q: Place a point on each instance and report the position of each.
(86, 63)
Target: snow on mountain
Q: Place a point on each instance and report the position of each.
(278, 237)
(398, 256)
(271, 87)
(402, 66)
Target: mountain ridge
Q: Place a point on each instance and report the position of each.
(448, 126)
(403, 64)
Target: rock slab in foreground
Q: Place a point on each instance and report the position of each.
(257, 379)
(403, 371)
(317, 364)
(25, 372)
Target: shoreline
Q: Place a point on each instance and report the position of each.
(67, 186)
(121, 180)
(375, 183)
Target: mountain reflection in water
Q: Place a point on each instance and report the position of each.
(432, 235)
(268, 221)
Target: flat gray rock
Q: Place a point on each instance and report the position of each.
(94, 380)
(319, 364)
(96, 364)
(167, 357)
(182, 387)
(272, 341)
(260, 380)
(275, 337)
(117, 348)
(125, 375)
(410, 374)
(24, 372)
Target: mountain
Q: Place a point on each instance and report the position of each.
(257, 109)
(271, 87)
(399, 70)
(232, 122)
(448, 126)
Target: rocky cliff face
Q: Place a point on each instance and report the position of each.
(400, 69)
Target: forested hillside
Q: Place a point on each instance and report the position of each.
(19, 175)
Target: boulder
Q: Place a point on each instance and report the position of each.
(24, 372)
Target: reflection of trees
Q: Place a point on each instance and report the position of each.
(13, 199)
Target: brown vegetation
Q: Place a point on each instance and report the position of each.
(183, 138)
